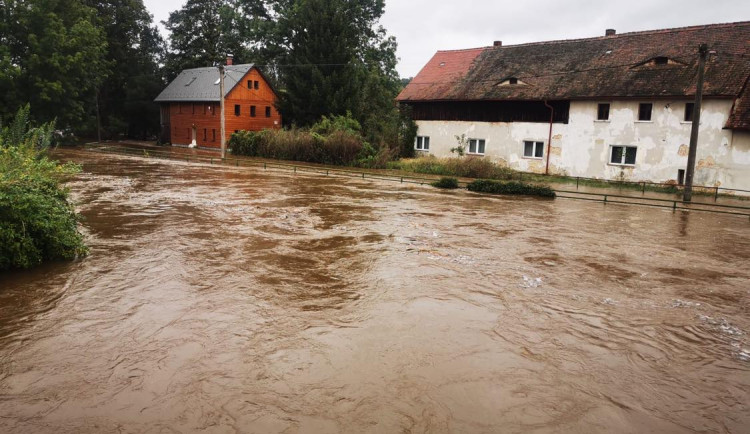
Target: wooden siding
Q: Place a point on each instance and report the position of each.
(490, 111)
(204, 117)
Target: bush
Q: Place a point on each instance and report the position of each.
(448, 183)
(37, 223)
(470, 167)
(512, 187)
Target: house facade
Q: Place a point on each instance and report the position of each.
(190, 110)
(611, 107)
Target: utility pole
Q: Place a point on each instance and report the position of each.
(688, 192)
(223, 123)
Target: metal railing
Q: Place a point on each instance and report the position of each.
(605, 198)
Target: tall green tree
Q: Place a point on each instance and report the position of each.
(135, 50)
(202, 33)
(55, 56)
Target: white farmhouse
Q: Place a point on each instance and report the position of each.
(610, 107)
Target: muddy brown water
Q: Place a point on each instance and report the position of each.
(237, 300)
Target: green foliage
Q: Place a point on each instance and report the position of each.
(460, 150)
(461, 167)
(37, 223)
(446, 182)
(55, 56)
(333, 140)
(510, 187)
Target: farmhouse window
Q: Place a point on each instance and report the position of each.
(268, 112)
(602, 112)
(256, 85)
(623, 155)
(661, 60)
(213, 134)
(249, 84)
(237, 109)
(205, 134)
(533, 149)
(252, 111)
(422, 143)
(689, 107)
(644, 111)
(476, 146)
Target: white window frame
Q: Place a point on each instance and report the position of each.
(622, 160)
(536, 144)
(419, 143)
(477, 142)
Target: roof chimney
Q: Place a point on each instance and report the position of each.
(498, 43)
(610, 32)
(230, 59)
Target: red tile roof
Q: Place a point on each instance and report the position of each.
(739, 119)
(619, 66)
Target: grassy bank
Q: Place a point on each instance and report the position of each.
(37, 221)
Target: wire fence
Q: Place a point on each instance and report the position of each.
(605, 198)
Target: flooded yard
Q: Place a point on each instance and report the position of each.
(241, 300)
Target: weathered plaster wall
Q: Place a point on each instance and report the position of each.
(582, 147)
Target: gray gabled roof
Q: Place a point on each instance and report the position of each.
(202, 84)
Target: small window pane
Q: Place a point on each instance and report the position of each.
(481, 147)
(630, 155)
(252, 111)
(644, 111)
(528, 149)
(426, 143)
(237, 110)
(256, 85)
(418, 143)
(268, 112)
(689, 111)
(616, 155)
(539, 152)
(603, 112)
(472, 146)
(249, 84)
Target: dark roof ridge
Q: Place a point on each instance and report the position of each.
(459, 50)
(210, 68)
(635, 33)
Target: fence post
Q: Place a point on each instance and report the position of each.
(402, 179)
(674, 206)
(644, 187)
(212, 160)
(363, 175)
(295, 169)
(578, 178)
(605, 199)
(716, 195)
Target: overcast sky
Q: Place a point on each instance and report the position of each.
(422, 27)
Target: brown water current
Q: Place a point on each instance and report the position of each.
(241, 300)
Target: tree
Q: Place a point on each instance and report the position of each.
(202, 33)
(134, 51)
(55, 55)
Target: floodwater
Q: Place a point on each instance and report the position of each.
(236, 300)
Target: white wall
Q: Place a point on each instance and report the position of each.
(582, 147)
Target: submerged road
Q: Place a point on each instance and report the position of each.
(235, 300)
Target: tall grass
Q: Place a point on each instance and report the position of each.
(467, 167)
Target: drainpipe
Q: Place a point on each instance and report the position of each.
(549, 139)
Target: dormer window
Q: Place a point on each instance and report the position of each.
(661, 60)
(511, 81)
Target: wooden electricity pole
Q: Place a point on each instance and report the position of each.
(688, 193)
(221, 104)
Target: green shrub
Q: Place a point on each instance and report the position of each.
(37, 222)
(448, 183)
(511, 187)
(467, 167)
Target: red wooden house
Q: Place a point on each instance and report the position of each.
(190, 112)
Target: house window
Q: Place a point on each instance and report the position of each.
(689, 107)
(213, 134)
(252, 111)
(249, 84)
(661, 60)
(268, 112)
(602, 112)
(237, 109)
(255, 85)
(205, 134)
(512, 80)
(533, 149)
(476, 146)
(623, 155)
(644, 111)
(422, 143)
